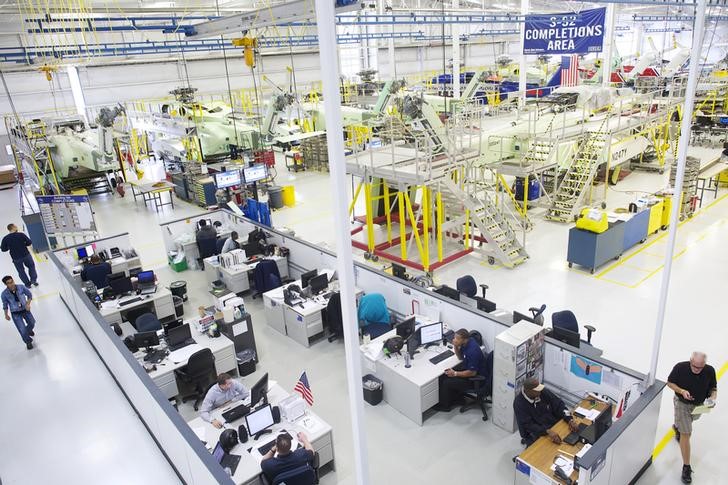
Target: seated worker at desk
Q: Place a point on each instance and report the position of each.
(373, 315)
(225, 390)
(456, 381)
(96, 271)
(231, 243)
(537, 409)
(280, 458)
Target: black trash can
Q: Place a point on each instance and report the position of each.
(275, 197)
(246, 362)
(179, 288)
(179, 308)
(373, 389)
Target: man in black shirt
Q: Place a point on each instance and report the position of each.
(537, 409)
(17, 243)
(694, 384)
(285, 460)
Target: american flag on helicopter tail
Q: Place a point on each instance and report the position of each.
(304, 389)
(570, 70)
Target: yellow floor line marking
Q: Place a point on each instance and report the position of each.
(636, 268)
(45, 295)
(671, 432)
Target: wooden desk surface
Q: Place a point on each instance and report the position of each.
(541, 453)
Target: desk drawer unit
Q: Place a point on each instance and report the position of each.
(274, 315)
(225, 360)
(325, 448)
(430, 394)
(167, 384)
(114, 318)
(164, 307)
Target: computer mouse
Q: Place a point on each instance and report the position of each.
(449, 346)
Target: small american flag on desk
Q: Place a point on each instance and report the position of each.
(304, 389)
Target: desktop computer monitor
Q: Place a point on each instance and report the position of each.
(229, 178)
(406, 327)
(452, 293)
(145, 277)
(413, 342)
(604, 421)
(306, 277)
(177, 335)
(259, 420)
(319, 283)
(254, 173)
(120, 285)
(146, 339)
(566, 336)
(81, 253)
(431, 334)
(251, 249)
(259, 391)
(171, 325)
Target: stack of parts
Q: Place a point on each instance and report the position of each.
(315, 154)
(688, 202)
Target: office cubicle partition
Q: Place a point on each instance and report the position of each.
(67, 255)
(637, 425)
(182, 448)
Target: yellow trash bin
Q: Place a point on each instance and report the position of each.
(289, 196)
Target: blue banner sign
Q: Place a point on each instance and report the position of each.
(565, 33)
(62, 199)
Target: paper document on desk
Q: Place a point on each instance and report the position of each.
(590, 414)
(200, 432)
(183, 354)
(583, 450)
(311, 424)
(373, 350)
(537, 477)
(566, 465)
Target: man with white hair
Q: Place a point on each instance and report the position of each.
(694, 384)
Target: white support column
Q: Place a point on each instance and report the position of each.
(455, 54)
(392, 61)
(522, 64)
(639, 38)
(76, 91)
(687, 117)
(608, 44)
(328, 56)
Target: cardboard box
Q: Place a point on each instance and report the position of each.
(7, 174)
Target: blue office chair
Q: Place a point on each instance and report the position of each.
(373, 315)
(482, 388)
(148, 322)
(567, 320)
(266, 276)
(302, 475)
(467, 286)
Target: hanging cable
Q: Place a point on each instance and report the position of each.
(227, 79)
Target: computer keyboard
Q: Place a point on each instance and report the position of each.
(155, 357)
(266, 447)
(442, 356)
(129, 301)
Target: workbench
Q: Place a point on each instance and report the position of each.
(153, 193)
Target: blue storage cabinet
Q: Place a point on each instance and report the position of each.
(592, 250)
(635, 230)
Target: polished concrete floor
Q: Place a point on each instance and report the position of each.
(620, 300)
(64, 419)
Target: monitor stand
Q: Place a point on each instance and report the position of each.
(431, 344)
(151, 354)
(261, 433)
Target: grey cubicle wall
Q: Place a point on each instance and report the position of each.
(404, 298)
(184, 451)
(66, 255)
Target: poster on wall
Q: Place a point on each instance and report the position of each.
(565, 33)
(65, 214)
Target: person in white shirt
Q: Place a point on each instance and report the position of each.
(225, 390)
(231, 243)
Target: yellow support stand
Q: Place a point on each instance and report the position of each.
(356, 196)
(387, 211)
(440, 219)
(402, 228)
(415, 229)
(467, 228)
(369, 218)
(425, 227)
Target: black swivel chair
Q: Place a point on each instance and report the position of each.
(206, 247)
(199, 372)
(482, 386)
(567, 320)
(133, 315)
(306, 474)
(536, 315)
(334, 319)
(467, 286)
(218, 245)
(148, 322)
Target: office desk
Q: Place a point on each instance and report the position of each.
(160, 301)
(541, 454)
(237, 278)
(410, 391)
(118, 265)
(302, 322)
(189, 247)
(222, 348)
(248, 472)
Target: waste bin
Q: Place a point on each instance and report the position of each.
(289, 195)
(275, 197)
(179, 308)
(179, 288)
(373, 389)
(246, 362)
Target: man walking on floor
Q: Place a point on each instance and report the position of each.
(694, 383)
(16, 304)
(17, 243)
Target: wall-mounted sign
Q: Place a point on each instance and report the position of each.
(565, 33)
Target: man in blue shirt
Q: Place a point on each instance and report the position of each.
(17, 243)
(456, 381)
(16, 304)
(227, 389)
(286, 459)
(97, 272)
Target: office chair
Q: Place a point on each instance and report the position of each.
(132, 315)
(373, 315)
(567, 320)
(219, 243)
(482, 388)
(206, 247)
(306, 474)
(334, 319)
(467, 286)
(536, 315)
(148, 322)
(199, 372)
(266, 276)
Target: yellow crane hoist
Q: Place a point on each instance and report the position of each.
(249, 44)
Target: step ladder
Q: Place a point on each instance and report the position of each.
(492, 223)
(579, 176)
